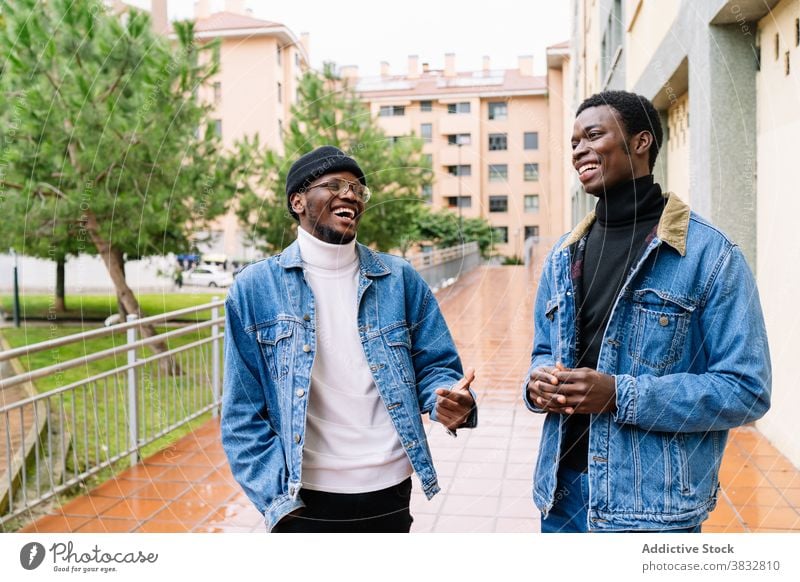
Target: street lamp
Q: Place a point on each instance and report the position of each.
(16, 287)
(460, 216)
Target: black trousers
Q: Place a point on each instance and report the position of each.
(384, 511)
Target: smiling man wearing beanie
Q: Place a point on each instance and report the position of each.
(332, 354)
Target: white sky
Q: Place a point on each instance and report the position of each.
(349, 32)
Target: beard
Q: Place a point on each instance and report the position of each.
(332, 236)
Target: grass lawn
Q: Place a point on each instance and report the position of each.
(94, 414)
(98, 307)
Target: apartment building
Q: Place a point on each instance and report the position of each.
(487, 136)
(724, 76)
(261, 63)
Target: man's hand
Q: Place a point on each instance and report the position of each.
(453, 406)
(569, 391)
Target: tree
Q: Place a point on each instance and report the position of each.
(110, 146)
(442, 229)
(328, 112)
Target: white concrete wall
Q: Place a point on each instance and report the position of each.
(86, 274)
(778, 209)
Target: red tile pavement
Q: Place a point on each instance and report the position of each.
(485, 474)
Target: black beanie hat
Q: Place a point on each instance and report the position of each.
(313, 165)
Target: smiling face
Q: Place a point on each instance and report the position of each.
(331, 219)
(603, 154)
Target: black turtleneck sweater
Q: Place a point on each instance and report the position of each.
(626, 214)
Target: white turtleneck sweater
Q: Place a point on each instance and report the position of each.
(351, 445)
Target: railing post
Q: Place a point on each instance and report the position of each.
(133, 412)
(215, 370)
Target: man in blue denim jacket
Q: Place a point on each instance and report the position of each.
(332, 353)
(649, 343)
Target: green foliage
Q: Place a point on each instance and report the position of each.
(103, 144)
(513, 260)
(98, 307)
(443, 230)
(328, 112)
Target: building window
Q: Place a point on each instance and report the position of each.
(459, 201)
(498, 172)
(531, 203)
(787, 65)
(462, 170)
(297, 60)
(427, 160)
(280, 92)
(797, 32)
(777, 47)
(531, 172)
(612, 38)
(498, 141)
(217, 93)
(498, 110)
(498, 203)
(427, 193)
(500, 234)
(532, 232)
(279, 54)
(426, 131)
(453, 108)
(392, 111)
(426, 106)
(218, 127)
(459, 139)
(280, 128)
(531, 139)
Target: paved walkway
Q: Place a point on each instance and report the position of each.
(485, 474)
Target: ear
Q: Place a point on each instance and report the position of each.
(297, 203)
(641, 142)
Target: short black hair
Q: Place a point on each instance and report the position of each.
(636, 112)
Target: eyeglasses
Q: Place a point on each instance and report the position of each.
(339, 187)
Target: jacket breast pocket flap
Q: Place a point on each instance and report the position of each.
(660, 325)
(275, 345)
(399, 341)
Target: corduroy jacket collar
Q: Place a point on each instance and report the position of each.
(673, 226)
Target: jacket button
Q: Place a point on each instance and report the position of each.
(306, 317)
(306, 348)
(297, 438)
(300, 392)
(663, 320)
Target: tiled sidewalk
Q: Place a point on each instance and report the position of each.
(485, 474)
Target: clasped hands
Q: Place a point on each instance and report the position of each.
(572, 390)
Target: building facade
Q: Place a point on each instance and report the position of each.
(724, 77)
(487, 136)
(260, 64)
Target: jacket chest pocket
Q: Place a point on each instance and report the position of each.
(275, 340)
(659, 327)
(398, 342)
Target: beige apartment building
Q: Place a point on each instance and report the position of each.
(487, 136)
(261, 63)
(725, 76)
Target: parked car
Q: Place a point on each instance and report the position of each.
(207, 276)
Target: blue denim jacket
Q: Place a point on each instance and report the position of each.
(270, 343)
(687, 346)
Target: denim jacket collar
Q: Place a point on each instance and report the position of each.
(672, 227)
(371, 264)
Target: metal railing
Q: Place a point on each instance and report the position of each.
(52, 441)
(439, 265)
